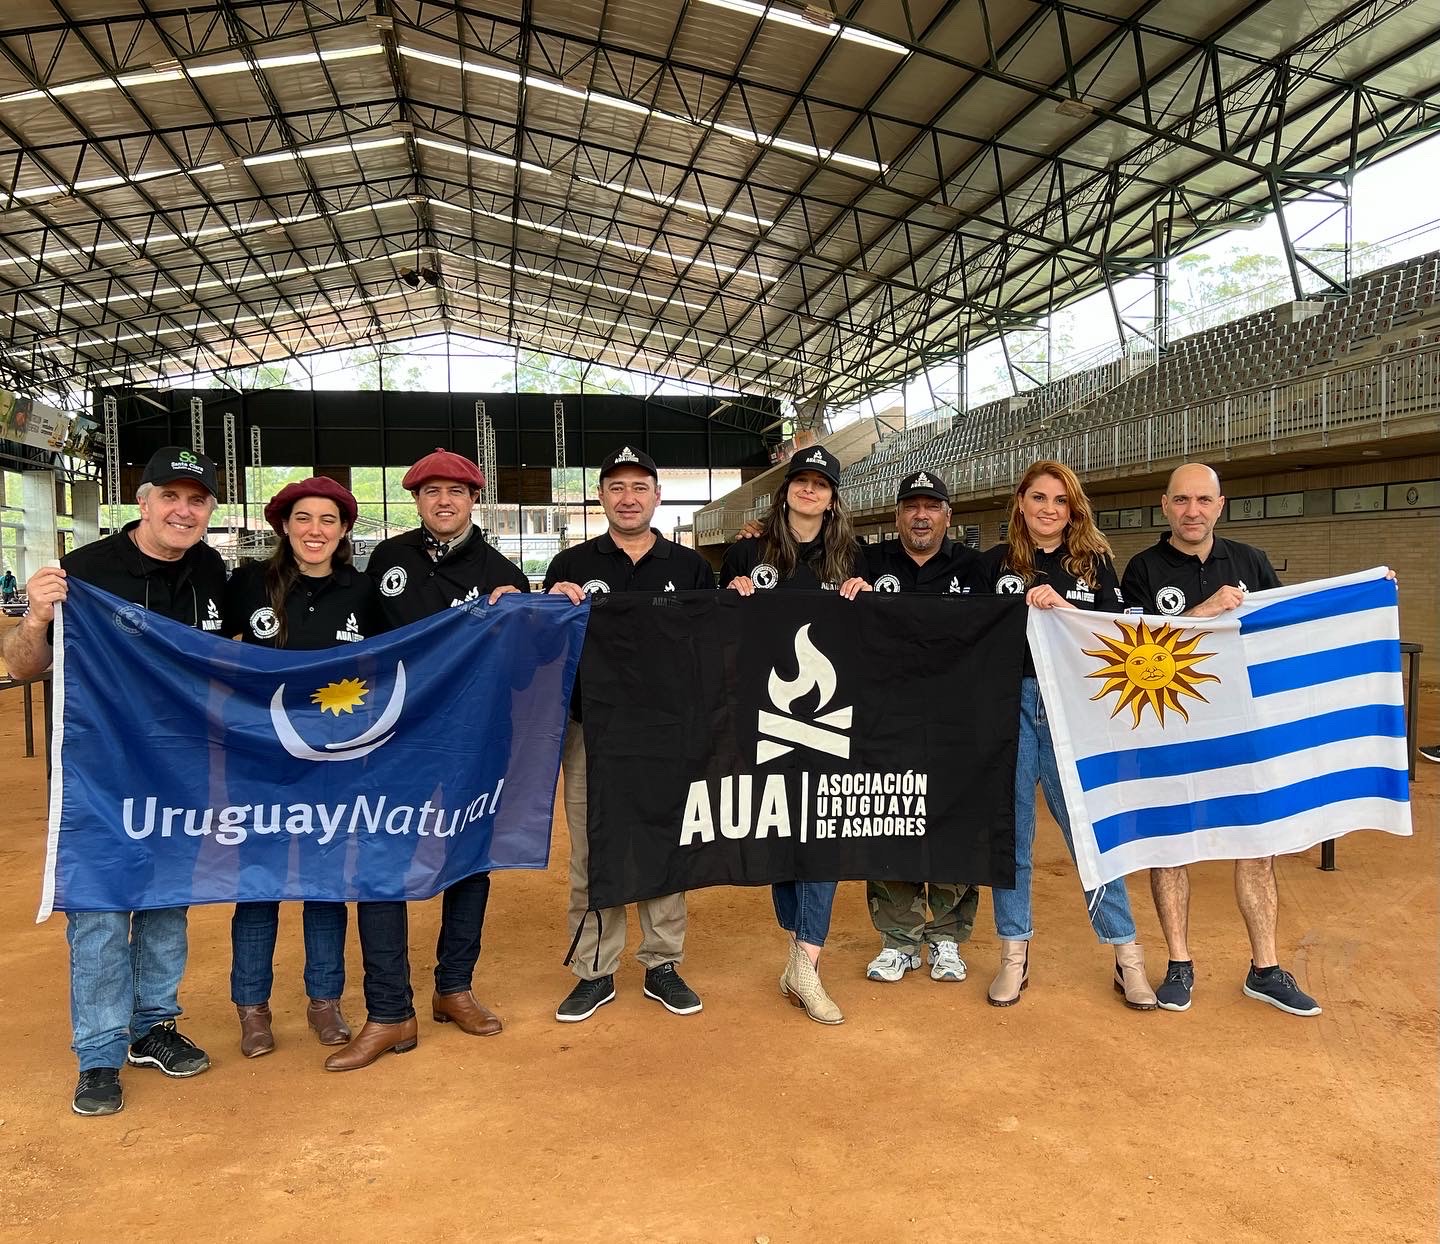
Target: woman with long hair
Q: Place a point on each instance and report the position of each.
(305, 595)
(806, 541)
(1059, 559)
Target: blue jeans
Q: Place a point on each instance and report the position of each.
(1109, 907)
(125, 970)
(253, 929)
(803, 908)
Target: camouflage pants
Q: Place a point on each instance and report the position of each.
(897, 910)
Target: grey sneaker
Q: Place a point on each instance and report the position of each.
(98, 1092)
(169, 1049)
(1277, 987)
(1174, 991)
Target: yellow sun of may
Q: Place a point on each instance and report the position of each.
(344, 696)
(1152, 668)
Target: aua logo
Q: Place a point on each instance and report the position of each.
(344, 696)
(822, 732)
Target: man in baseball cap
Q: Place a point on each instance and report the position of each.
(176, 463)
(443, 563)
(125, 967)
(923, 559)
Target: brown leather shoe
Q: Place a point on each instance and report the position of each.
(255, 1035)
(462, 1009)
(373, 1041)
(323, 1015)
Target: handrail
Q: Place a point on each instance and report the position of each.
(1372, 393)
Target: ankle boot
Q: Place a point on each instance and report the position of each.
(373, 1041)
(462, 1010)
(255, 1035)
(323, 1015)
(1013, 976)
(800, 982)
(1130, 977)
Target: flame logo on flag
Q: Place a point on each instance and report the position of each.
(814, 672)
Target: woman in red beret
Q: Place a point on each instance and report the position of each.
(306, 594)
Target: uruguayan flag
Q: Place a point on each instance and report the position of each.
(1257, 733)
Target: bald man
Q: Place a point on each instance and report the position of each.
(1192, 572)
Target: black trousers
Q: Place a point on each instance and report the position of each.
(385, 941)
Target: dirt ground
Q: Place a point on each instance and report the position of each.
(926, 1115)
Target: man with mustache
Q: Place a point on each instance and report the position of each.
(443, 563)
(923, 559)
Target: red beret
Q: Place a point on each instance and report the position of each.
(442, 464)
(279, 507)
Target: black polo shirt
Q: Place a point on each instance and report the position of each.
(190, 589)
(412, 586)
(600, 565)
(341, 608)
(743, 558)
(1103, 596)
(950, 571)
(1163, 579)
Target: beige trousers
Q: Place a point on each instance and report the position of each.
(662, 920)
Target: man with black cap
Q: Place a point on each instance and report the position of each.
(443, 563)
(630, 556)
(125, 967)
(923, 559)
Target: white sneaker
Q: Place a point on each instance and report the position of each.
(945, 961)
(891, 964)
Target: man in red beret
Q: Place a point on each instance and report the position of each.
(443, 563)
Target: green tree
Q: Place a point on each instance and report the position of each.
(539, 372)
(247, 379)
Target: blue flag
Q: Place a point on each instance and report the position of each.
(194, 769)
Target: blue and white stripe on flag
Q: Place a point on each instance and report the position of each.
(195, 769)
(1261, 732)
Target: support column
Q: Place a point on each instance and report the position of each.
(39, 537)
(85, 512)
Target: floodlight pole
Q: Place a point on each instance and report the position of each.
(562, 500)
(232, 467)
(112, 460)
(485, 455)
(197, 425)
(255, 461)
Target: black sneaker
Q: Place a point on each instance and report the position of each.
(1431, 753)
(1277, 987)
(98, 1092)
(669, 989)
(585, 999)
(170, 1050)
(1174, 991)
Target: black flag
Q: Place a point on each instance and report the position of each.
(798, 735)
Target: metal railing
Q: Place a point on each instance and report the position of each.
(1366, 395)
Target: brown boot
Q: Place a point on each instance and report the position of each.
(374, 1040)
(255, 1035)
(1013, 976)
(462, 1009)
(324, 1017)
(1130, 978)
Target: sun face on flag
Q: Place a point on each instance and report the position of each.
(1153, 668)
(344, 696)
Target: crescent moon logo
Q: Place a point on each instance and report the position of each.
(351, 749)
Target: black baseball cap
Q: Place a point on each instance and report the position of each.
(923, 484)
(815, 458)
(625, 456)
(176, 462)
